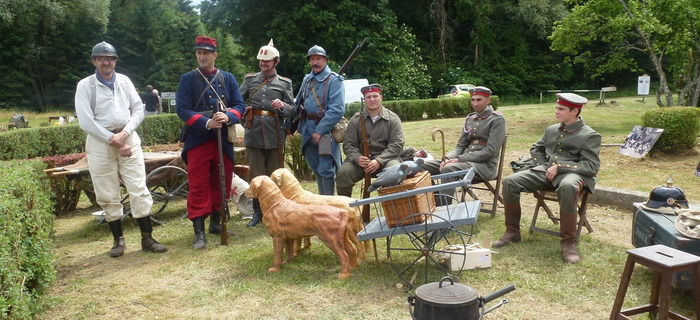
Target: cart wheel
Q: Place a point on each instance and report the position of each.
(427, 256)
(166, 184)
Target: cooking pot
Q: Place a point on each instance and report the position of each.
(438, 301)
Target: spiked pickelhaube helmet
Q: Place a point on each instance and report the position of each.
(667, 195)
(268, 52)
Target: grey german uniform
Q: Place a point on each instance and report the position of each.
(478, 147)
(574, 149)
(386, 141)
(261, 139)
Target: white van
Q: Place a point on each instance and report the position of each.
(352, 89)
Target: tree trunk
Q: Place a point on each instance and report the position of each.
(664, 90)
(437, 11)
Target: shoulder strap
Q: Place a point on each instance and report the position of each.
(93, 97)
(220, 76)
(198, 85)
(325, 93)
(250, 96)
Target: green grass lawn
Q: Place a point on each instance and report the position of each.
(232, 282)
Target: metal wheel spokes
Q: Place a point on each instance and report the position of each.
(428, 253)
(166, 184)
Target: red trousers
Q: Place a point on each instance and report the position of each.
(203, 176)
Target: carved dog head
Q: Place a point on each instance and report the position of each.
(259, 185)
(284, 179)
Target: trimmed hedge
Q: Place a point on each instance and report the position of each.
(681, 127)
(413, 110)
(54, 140)
(165, 128)
(66, 190)
(26, 224)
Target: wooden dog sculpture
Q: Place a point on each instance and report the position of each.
(292, 189)
(287, 221)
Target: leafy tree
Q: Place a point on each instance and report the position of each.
(155, 40)
(663, 30)
(390, 56)
(42, 44)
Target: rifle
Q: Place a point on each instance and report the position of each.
(295, 123)
(365, 152)
(352, 56)
(280, 147)
(224, 212)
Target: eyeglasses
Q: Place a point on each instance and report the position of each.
(103, 59)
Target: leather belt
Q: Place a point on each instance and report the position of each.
(115, 131)
(482, 143)
(265, 113)
(312, 116)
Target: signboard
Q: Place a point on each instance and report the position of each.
(640, 141)
(168, 95)
(643, 85)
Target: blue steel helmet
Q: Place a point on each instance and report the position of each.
(316, 51)
(104, 49)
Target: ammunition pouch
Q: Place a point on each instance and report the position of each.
(248, 117)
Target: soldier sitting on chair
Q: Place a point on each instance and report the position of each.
(479, 146)
(383, 135)
(566, 160)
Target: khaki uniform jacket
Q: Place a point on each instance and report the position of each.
(480, 144)
(262, 134)
(385, 137)
(573, 148)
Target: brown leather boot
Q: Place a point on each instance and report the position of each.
(118, 248)
(150, 244)
(147, 241)
(567, 228)
(512, 233)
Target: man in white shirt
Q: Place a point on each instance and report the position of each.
(109, 110)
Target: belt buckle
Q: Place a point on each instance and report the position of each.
(264, 113)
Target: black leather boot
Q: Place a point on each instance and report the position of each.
(147, 241)
(200, 240)
(257, 214)
(215, 224)
(119, 244)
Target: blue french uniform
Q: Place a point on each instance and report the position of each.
(196, 103)
(334, 106)
(188, 92)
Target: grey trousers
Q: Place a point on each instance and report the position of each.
(433, 166)
(350, 173)
(567, 188)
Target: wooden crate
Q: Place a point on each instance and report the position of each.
(397, 210)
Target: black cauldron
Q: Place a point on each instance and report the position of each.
(435, 301)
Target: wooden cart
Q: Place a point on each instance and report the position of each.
(418, 258)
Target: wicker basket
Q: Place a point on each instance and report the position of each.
(397, 210)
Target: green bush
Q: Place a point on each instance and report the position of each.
(53, 140)
(66, 190)
(681, 126)
(413, 110)
(294, 159)
(26, 224)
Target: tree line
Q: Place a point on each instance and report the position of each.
(414, 47)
